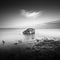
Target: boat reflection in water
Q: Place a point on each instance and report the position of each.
(29, 34)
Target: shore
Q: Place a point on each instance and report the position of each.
(47, 49)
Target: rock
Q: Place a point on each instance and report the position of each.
(19, 41)
(29, 31)
(15, 43)
(3, 42)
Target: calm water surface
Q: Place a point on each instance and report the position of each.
(16, 34)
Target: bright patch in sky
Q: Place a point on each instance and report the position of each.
(33, 14)
(30, 14)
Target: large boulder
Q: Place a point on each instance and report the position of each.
(29, 31)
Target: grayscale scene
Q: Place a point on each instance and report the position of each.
(30, 29)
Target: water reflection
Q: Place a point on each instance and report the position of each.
(29, 37)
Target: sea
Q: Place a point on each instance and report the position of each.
(11, 35)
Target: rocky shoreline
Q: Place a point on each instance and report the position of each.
(47, 49)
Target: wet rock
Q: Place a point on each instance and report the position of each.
(29, 31)
(47, 44)
(19, 41)
(3, 42)
(15, 43)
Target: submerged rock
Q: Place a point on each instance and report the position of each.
(29, 31)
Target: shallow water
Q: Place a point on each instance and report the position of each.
(12, 35)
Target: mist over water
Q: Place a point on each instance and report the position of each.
(48, 32)
(16, 34)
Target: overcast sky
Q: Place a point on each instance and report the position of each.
(30, 13)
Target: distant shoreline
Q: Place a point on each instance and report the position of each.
(26, 28)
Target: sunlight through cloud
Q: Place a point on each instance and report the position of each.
(30, 14)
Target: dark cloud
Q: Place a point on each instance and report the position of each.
(30, 4)
(50, 25)
(53, 24)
